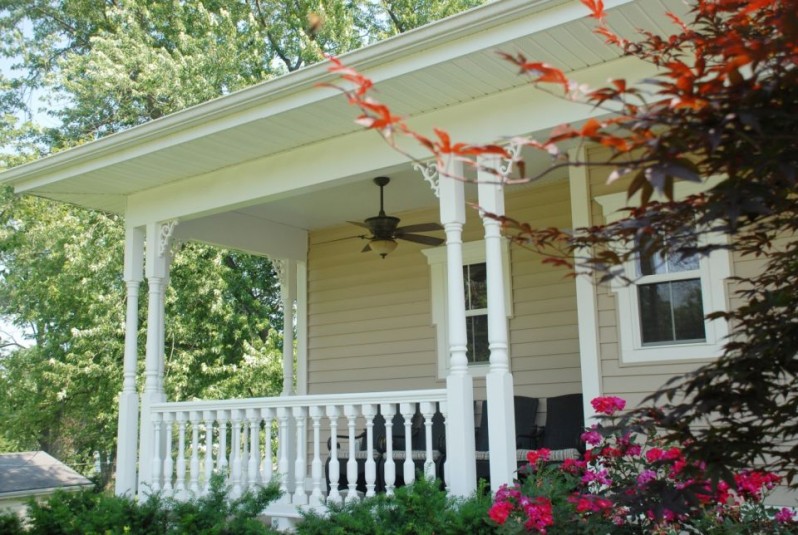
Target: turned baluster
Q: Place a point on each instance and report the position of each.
(316, 496)
(180, 482)
(235, 453)
(369, 411)
(266, 465)
(428, 411)
(208, 418)
(194, 483)
(335, 468)
(389, 469)
(300, 463)
(168, 463)
(350, 411)
(408, 411)
(253, 416)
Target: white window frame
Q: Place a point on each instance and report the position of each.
(713, 271)
(473, 253)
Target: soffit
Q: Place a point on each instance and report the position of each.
(291, 111)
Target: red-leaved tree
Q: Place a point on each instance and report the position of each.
(724, 104)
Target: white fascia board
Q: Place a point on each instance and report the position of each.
(517, 111)
(493, 24)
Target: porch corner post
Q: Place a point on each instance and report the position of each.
(459, 384)
(499, 381)
(287, 274)
(157, 272)
(127, 432)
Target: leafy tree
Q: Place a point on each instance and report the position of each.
(96, 67)
(725, 104)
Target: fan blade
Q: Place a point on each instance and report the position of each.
(421, 227)
(367, 248)
(418, 238)
(359, 224)
(358, 236)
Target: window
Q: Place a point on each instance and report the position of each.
(661, 315)
(670, 300)
(476, 303)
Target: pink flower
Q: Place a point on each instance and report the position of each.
(539, 515)
(751, 483)
(785, 516)
(499, 512)
(592, 437)
(573, 466)
(601, 477)
(538, 455)
(646, 476)
(608, 404)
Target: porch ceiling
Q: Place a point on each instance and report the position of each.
(434, 67)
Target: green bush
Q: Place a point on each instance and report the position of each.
(10, 524)
(91, 513)
(420, 509)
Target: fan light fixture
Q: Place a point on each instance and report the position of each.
(385, 229)
(383, 247)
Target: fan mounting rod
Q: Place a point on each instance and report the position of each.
(382, 181)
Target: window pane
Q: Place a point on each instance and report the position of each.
(671, 312)
(653, 264)
(687, 263)
(657, 263)
(688, 310)
(476, 288)
(656, 323)
(477, 332)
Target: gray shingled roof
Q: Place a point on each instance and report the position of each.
(35, 470)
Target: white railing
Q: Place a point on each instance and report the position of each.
(256, 441)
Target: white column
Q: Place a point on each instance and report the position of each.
(459, 384)
(157, 269)
(287, 271)
(499, 381)
(127, 433)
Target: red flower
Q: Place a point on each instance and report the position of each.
(608, 404)
(500, 511)
(538, 455)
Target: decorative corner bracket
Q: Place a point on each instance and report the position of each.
(506, 167)
(280, 266)
(431, 174)
(165, 237)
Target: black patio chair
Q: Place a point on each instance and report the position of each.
(526, 432)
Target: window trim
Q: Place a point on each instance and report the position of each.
(713, 271)
(473, 253)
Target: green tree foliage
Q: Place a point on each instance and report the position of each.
(95, 67)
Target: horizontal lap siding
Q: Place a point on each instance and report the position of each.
(544, 340)
(369, 320)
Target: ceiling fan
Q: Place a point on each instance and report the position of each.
(385, 230)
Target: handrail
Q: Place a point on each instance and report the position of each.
(399, 396)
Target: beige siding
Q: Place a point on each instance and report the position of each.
(370, 325)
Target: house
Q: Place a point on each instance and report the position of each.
(279, 168)
(34, 474)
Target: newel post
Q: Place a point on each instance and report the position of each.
(127, 432)
(459, 384)
(159, 237)
(499, 381)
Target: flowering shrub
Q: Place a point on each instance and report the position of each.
(629, 483)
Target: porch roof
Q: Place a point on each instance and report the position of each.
(443, 64)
